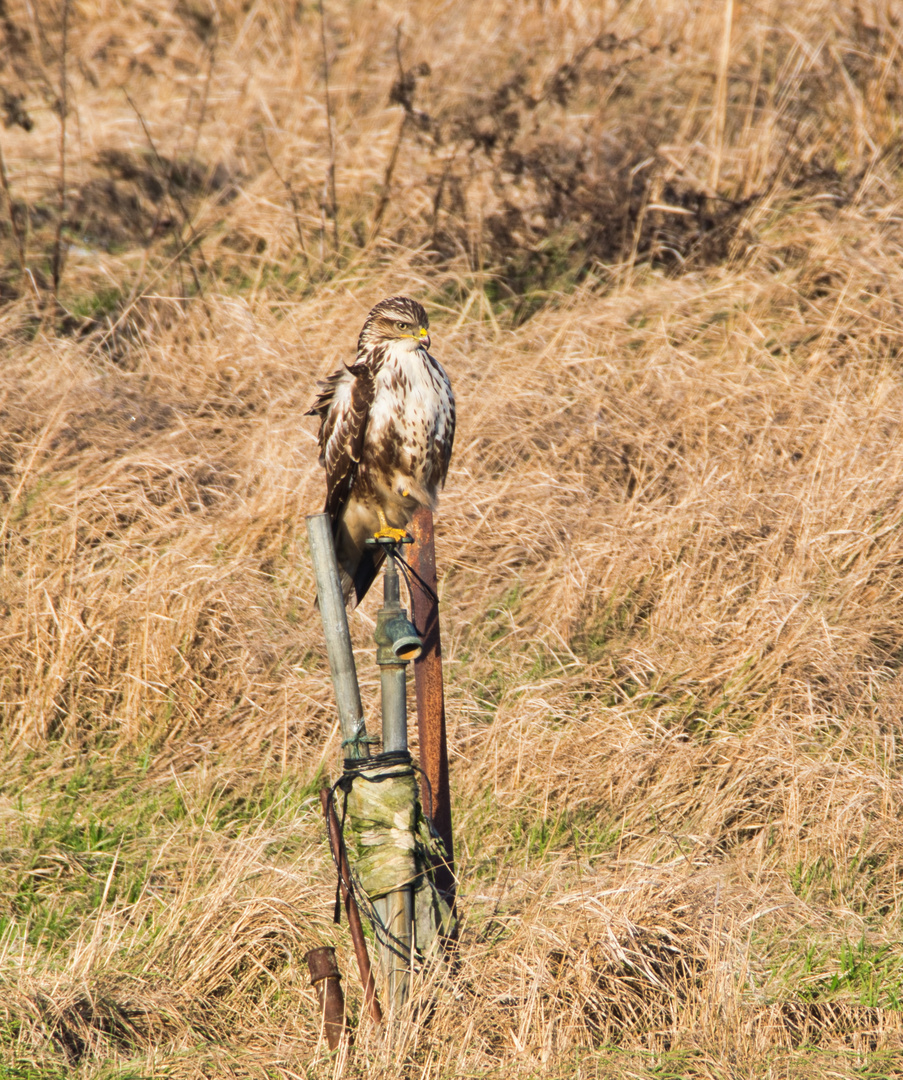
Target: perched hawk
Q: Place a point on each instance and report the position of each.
(386, 428)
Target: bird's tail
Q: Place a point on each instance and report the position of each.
(365, 575)
(365, 572)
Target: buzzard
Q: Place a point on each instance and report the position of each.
(387, 423)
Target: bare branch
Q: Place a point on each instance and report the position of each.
(13, 223)
(194, 238)
(58, 257)
(293, 199)
(385, 193)
(333, 206)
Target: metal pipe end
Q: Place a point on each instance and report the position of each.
(324, 974)
(322, 963)
(402, 638)
(407, 648)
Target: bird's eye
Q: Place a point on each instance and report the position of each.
(403, 325)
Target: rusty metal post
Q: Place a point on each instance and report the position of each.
(355, 928)
(431, 695)
(324, 975)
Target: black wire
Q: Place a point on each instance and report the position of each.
(388, 759)
(409, 572)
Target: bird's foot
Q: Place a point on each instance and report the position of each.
(388, 533)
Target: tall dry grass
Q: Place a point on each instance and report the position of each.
(660, 246)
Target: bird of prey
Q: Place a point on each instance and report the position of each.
(387, 423)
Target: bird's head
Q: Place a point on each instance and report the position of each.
(396, 319)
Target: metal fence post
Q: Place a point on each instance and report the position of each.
(431, 695)
(338, 639)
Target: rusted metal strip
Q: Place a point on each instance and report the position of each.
(371, 1001)
(324, 974)
(431, 694)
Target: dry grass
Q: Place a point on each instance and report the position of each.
(664, 277)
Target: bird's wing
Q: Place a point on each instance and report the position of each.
(445, 446)
(343, 406)
(366, 573)
(446, 437)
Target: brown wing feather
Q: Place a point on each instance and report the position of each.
(445, 447)
(441, 451)
(343, 425)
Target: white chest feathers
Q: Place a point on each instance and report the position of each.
(412, 403)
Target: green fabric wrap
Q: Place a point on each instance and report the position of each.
(390, 846)
(381, 818)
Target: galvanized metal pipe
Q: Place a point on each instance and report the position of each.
(392, 676)
(338, 639)
(394, 707)
(396, 909)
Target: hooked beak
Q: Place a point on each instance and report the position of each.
(424, 340)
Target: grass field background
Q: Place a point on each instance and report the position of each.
(660, 245)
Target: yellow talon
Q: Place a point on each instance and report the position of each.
(386, 532)
(389, 533)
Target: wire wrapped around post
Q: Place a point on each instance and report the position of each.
(333, 829)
